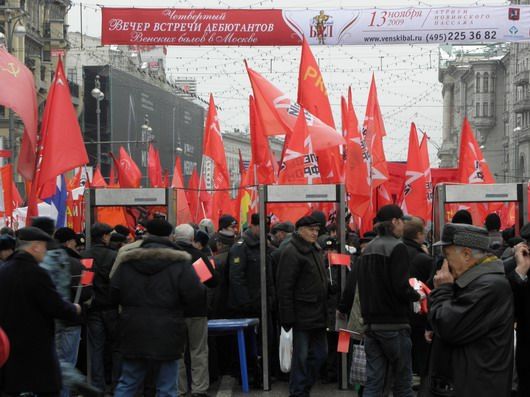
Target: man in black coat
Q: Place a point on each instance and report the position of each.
(102, 315)
(153, 285)
(421, 267)
(29, 304)
(471, 312)
(196, 319)
(303, 289)
(386, 299)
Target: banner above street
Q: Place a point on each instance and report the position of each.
(275, 27)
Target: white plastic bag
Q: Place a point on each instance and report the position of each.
(286, 350)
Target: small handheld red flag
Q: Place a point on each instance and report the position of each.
(338, 259)
(202, 270)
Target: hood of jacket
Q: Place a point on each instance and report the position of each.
(154, 256)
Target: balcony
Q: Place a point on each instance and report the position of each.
(524, 135)
(522, 78)
(521, 105)
(484, 122)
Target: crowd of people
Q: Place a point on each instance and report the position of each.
(128, 314)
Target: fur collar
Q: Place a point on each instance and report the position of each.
(158, 254)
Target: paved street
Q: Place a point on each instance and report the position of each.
(229, 387)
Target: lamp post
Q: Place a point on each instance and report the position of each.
(147, 136)
(98, 96)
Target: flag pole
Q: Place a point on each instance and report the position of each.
(199, 190)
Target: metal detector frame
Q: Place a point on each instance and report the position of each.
(296, 194)
(499, 192)
(127, 198)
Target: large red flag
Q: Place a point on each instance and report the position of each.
(313, 96)
(415, 189)
(183, 209)
(21, 97)
(129, 175)
(154, 168)
(472, 165)
(213, 147)
(262, 163)
(357, 170)
(278, 114)
(61, 146)
(300, 165)
(374, 131)
(97, 179)
(424, 153)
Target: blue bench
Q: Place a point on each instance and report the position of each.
(236, 326)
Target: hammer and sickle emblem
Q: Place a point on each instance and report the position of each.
(12, 68)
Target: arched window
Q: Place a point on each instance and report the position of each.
(485, 109)
(477, 82)
(477, 109)
(485, 82)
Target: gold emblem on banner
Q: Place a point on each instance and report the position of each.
(12, 69)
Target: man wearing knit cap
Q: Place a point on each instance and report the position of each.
(153, 285)
(471, 312)
(386, 296)
(29, 303)
(196, 318)
(302, 299)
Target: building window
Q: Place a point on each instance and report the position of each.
(485, 83)
(72, 75)
(477, 82)
(492, 109)
(477, 109)
(485, 109)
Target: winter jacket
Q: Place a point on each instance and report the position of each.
(303, 286)
(473, 318)
(384, 290)
(29, 303)
(244, 295)
(103, 260)
(200, 307)
(218, 297)
(153, 285)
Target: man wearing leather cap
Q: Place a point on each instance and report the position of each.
(471, 312)
(303, 288)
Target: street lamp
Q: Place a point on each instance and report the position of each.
(98, 95)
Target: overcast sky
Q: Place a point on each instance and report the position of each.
(406, 75)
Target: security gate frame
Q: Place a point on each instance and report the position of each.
(127, 198)
(475, 193)
(297, 194)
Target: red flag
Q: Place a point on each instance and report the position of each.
(213, 147)
(8, 204)
(424, 153)
(97, 179)
(75, 181)
(357, 170)
(205, 198)
(154, 168)
(278, 114)
(183, 209)
(415, 188)
(472, 166)
(300, 165)
(374, 131)
(313, 96)
(192, 194)
(21, 97)
(129, 175)
(61, 146)
(262, 157)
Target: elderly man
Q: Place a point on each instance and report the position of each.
(471, 312)
(302, 297)
(29, 303)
